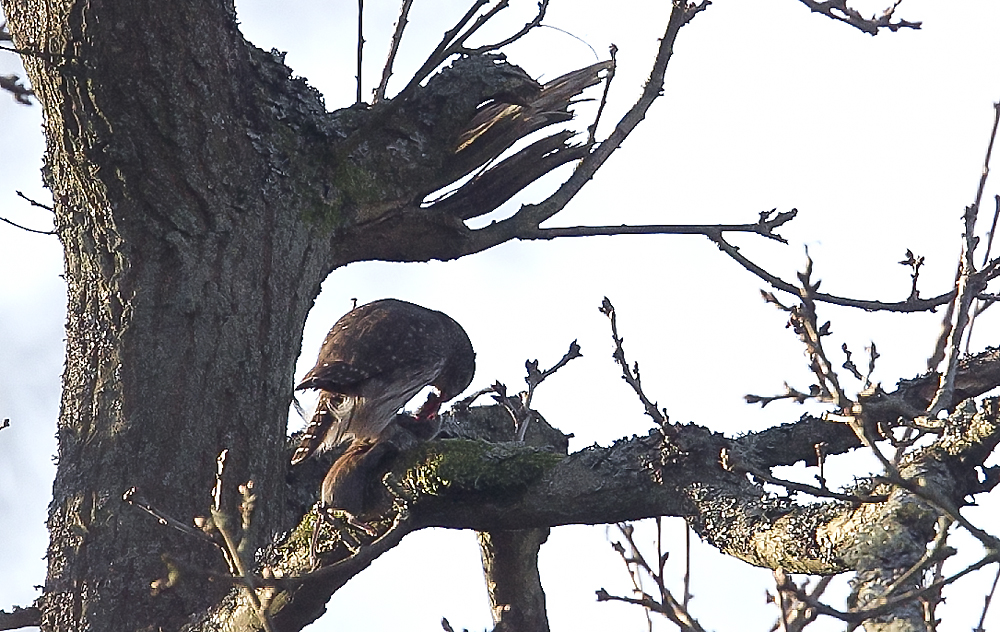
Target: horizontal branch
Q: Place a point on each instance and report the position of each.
(761, 228)
(792, 443)
(467, 482)
(20, 618)
(839, 10)
(911, 304)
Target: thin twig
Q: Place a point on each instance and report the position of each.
(402, 524)
(796, 613)
(936, 553)
(636, 564)
(361, 44)
(442, 52)
(132, 498)
(804, 321)
(966, 289)
(526, 221)
(913, 262)
(592, 130)
(576, 37)
(30, 230)
(536, 377)
(982, 304)
(519, 407)
(448, 46)
(35, 53)
(34, 202)
(987, 601)
(221, 521)
(631, 374)
(909, 305)
(857, 616)
(687, 565)
(812, 489)
(537, 21)
(397, 37)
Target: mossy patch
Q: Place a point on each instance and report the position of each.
(459, 467)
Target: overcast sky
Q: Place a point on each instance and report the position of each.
(878, 142)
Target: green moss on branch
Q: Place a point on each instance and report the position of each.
(459, 467)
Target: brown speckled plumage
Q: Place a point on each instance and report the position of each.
(374, 360)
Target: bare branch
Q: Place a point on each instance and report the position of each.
(536, 377)
(592, 130)
(397, 37)
(849, 363)
(20, 618)
(838, 10)
(819, 492)
(983, 303)
(448, 46)
(967, 287)
(796, 613)
(34, 202)
(637, 565)
(543, 5)
(519, 407)
(529, 217)
(918, 305)
(804, 321)
(858, 616)
(361, 45)
(914, 264)
(986, 604)
(764, 227)
(30, 230)
(132, 498)
(25, 228)
(12, 84)
(631, 374)
(790, 393)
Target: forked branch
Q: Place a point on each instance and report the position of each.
(838, 10)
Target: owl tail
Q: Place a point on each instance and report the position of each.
(326, 427)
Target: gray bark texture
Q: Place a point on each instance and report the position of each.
(202, 195)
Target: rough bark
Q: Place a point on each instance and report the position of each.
(469, 483)
(510, 561)
(202, 195)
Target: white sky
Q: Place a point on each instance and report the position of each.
(877, 141)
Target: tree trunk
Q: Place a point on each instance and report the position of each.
(510, 561)
(189, 277)
(202, 196)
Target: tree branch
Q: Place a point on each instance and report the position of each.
(966, 290)
(397, 37)
(537, 20)
(20, 618)
(530, 216)
(838, 10)
(911, 304)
